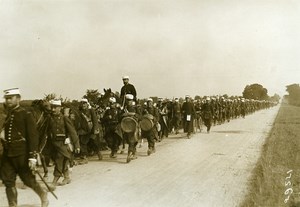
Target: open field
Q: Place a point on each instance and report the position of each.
(276, 177)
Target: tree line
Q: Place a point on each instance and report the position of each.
(294, 94)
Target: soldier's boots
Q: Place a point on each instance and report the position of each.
(134, 157)
(113, 155)
(42, 194)
(83, 160)
(129, 157)
(54, 183)
(100, 157)
(12, 196)
(151, 150)
(66, 179)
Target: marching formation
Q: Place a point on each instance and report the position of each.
(51, 132)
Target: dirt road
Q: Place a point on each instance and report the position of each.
(207, 170)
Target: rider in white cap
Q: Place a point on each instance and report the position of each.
(127, 89)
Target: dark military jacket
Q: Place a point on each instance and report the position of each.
(21, 135)
(153, 111)
(128, 89)
(112, 117)
(61, 127)
(88, 122)
(188, 109)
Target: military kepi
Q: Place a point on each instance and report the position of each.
(12, 92)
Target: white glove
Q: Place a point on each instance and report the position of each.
(32, 163)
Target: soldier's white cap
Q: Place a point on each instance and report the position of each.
(84, 100)
(55, 102)
(129, 96)
(125, 77)
(176, 100)
(112, 100)
(207, 98)
(187, 96)
(12, 92)
(150, 99)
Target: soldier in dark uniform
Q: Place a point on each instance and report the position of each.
(152, 134)
(163, 119)
(198, 115)
(130, 110)
(176, 115)
(127, 89)
(113, 132)
(20, 142)
(88, 130)
(64, 139)
(207, 113)
(188, 112)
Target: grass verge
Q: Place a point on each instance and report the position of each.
(276, 177)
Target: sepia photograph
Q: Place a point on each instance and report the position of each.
(148, 103)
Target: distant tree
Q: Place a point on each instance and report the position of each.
(92, 95)
(197, 97)
(255, 91)
(275, 98)
(294, 93)
(50, 96)
(154, 98)
(225, 96)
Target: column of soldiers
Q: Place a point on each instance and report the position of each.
(76, 132)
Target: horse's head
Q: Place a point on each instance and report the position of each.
(104, 99)
(41, 105)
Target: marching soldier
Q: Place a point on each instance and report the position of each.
(64, 139)
(152, 134)
(20, 142)
(207, 113)
(176, 115)
(188, 112)
(88, 130)
(163, 120)
(130, 110)
(113, 133)
(198, 115)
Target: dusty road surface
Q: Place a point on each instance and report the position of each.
(207, 170)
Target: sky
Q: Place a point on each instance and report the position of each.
(167, 48)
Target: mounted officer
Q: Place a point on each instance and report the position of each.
(127, 89)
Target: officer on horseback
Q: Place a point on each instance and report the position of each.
(127, 89)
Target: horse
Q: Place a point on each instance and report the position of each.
(42, 115)
(103, 101)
